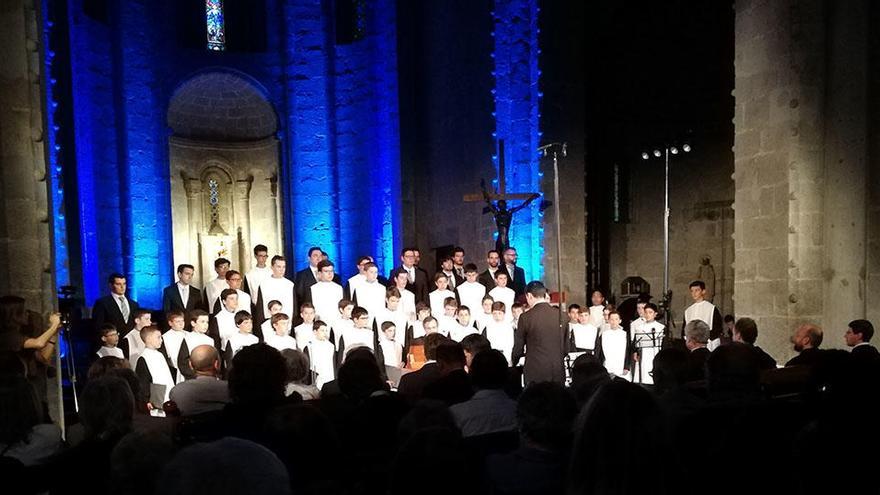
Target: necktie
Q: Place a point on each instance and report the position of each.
(123, 306)
(411, 275)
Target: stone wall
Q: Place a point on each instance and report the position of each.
(803, 167)
(25, 243)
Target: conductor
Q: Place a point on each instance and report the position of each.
(540, 330)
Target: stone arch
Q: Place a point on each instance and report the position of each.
(221, 105)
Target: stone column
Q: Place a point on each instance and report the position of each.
(801, 166)
(275, 214)
(25, 242)
(242, 215)
(195, 216)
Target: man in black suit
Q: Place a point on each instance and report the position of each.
(412, 385)
(447, 268)
(540, 330)
(182, 296)
(487, 278)
(417, 279)
(516, 275)
(745, 330)
(696, 334)
(308, 276)
(806, 340)
(115, 308)
(858, 336)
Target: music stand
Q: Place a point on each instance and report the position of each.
(653, 342)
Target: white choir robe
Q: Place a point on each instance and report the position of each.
(482, 319)
(213, 290)
(277, 289)
(354, 282)
(105, 351)
(459, 332)
(239, 341)
(435, 300)
(396, 317)
(322, 357)
(160, 374)
(173, 342)
(584, 335)
(647, 341)
(407, 304)
(339, 327)
(225, 326)
(325, 299)
(703, 310)
(266, 328)
(392, 352)
(356, 337)
(136, 346)
(281, 342)
(613, 349)
(500, 335)
(418, 330)
(597, 315)
(636, 324)
(195, 339)
(255, 277)
(370, 296)
(445, 324)
(507, 296)
(303, 334)
(471, 295)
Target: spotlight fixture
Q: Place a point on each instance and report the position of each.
(673, 150)
(645, 155)
(657, 153)
(686, 148)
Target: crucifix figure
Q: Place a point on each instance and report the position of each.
(497, 203)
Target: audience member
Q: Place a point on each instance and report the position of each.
(490, 410)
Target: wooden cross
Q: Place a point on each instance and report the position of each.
(502, 184)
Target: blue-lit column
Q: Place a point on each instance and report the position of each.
(55, 165)
(385, 149)
(517, 97)
(310, 177)
(142, 143)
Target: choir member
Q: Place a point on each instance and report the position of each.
(199, 323)
(258, 273)
(266, 325)
(132, 344)
(438, 296)
(499, 331)
(234, 281)
(175, 346)
(110, 342)
(369, 294)
(584, 333)
(308, 276)
(613, 347)
(304, 331)
(705, 311)
(596, 317)
(276, 287)
(223, 324)
(464, 326)
(470, 292)
(154, 372)
(181, 295)
(218, 285)
(322, 355)
(647, 341)
(280, 337)
(502, 293)
(325, 294)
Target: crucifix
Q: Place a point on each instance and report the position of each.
(497, 202)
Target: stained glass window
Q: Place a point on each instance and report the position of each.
(214, 200)
(216, 28)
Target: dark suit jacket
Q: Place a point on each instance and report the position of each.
(517, 280)
(107, 311)
(697, 363)
(453, 388)
(412, 385)
(303, 282)
(807, 357)
(171, 299)
(419, 288)
(488, 280)
(458, 281)
(540, 329)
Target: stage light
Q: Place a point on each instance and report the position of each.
(686, 148)
(645, 155)
(673, 150)
(657, 153)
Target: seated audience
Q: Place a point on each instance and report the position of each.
(490, 410)
(206, 392)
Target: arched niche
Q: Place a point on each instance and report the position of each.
(224, 163)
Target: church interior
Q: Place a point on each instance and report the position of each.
(633, 156)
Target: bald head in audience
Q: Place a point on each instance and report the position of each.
(205, 360)
(807, 336)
